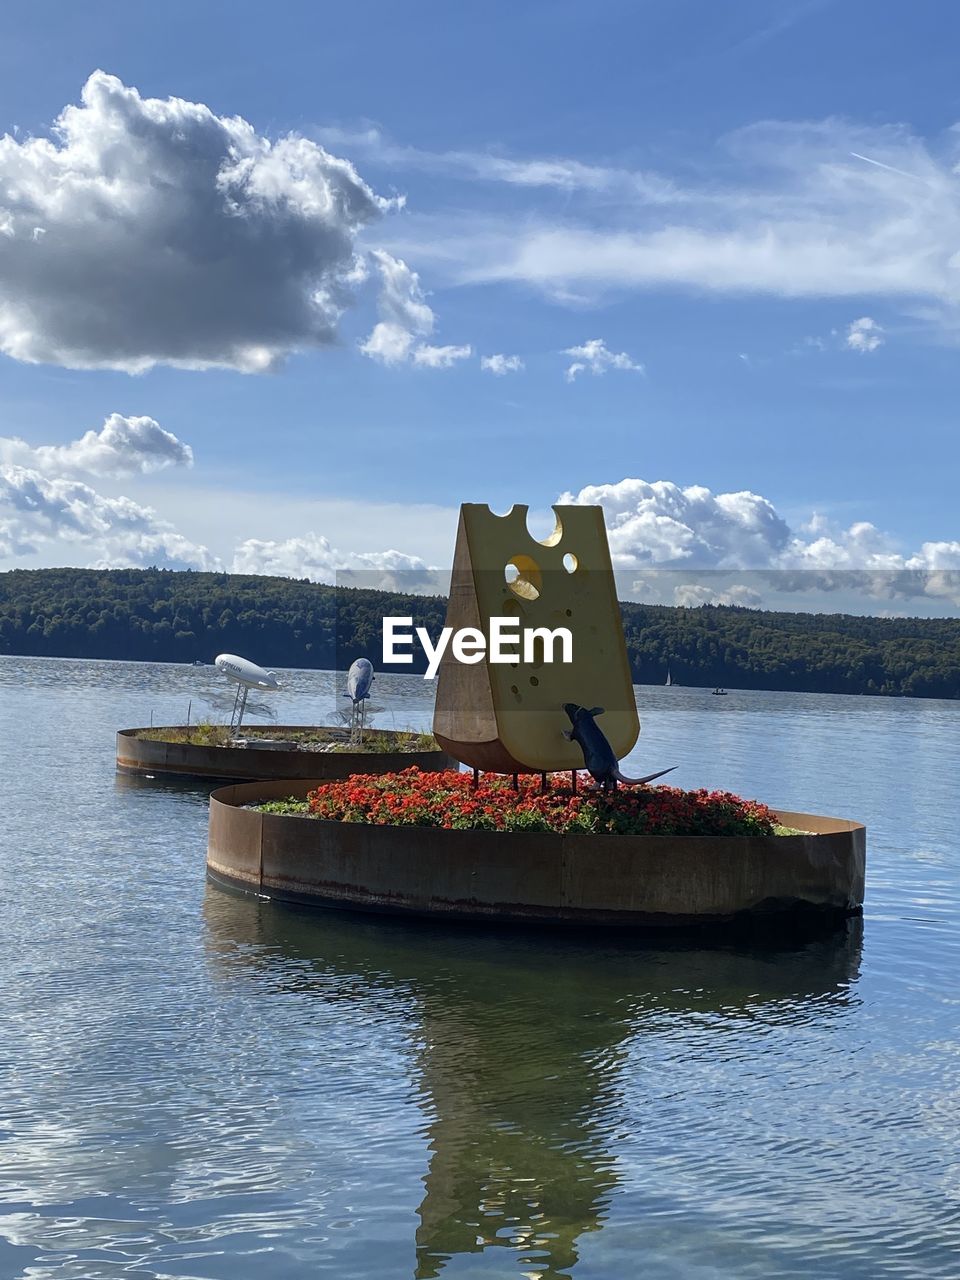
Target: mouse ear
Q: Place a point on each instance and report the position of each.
(595, 711)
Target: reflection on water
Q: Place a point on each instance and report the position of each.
(201, 1086)
(519, 1048)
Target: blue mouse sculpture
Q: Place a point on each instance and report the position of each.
(598, 755)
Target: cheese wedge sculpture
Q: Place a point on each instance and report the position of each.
(509, 718)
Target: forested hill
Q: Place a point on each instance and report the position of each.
(165, 616)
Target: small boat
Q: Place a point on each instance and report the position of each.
(669, 680)
(719, 693)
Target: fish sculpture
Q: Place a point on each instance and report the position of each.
(598, 755)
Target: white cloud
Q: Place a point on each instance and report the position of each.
(559, 172)
(864, 335)
(501, 365)
(810, 210)
(149, 230)
(691, 595)
(439, 357)
(388, 343)
(405, 317)
(595, 357)
(224, 518)
(665, 526)
(122, 447)
(405, 313)
(50, 517)
(312, 556)
(36, 509)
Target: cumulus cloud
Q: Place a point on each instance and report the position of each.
(595, 357)
(864, 335)
(147, 230)
(122, 447)
(692, 595)
(313, 556)
(65, 521)
(405, 314)
(405, 319)
(662, 525)
(501, 365)
(439, 357)
(42, 505)
(37, 510)
(46, 513)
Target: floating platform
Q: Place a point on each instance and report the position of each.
(157, 758)
(533, 877)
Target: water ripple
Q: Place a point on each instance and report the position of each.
(200, 1085)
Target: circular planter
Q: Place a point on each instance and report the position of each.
(533, 876)
(136, 755)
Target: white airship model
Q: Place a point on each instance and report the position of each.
(248, 676)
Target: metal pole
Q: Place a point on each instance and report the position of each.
(239, 706)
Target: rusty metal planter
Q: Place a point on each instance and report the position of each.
(137, 755)
(532, 876)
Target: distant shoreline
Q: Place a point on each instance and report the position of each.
(152, 615)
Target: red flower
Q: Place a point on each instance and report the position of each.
(450, 800)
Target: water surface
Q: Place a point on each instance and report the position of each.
(194, 1084)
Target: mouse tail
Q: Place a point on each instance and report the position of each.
(640, 782)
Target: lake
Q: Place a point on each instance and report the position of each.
(195, 1084)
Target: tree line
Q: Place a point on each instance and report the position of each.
(158, 615)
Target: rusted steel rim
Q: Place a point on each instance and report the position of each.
(577, 878)
(141, 756)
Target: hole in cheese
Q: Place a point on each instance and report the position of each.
(523, 577)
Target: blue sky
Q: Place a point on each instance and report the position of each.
(742, 219)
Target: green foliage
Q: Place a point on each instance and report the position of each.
(289, 808)
(817, 653)
(158, 615)
(203, 734)
(375, 742)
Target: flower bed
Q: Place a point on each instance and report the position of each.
(311, 752)
(449, 800)
(413, 843)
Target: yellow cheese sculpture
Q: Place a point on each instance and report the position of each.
(508, 718)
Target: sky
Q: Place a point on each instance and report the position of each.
(281, 286)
